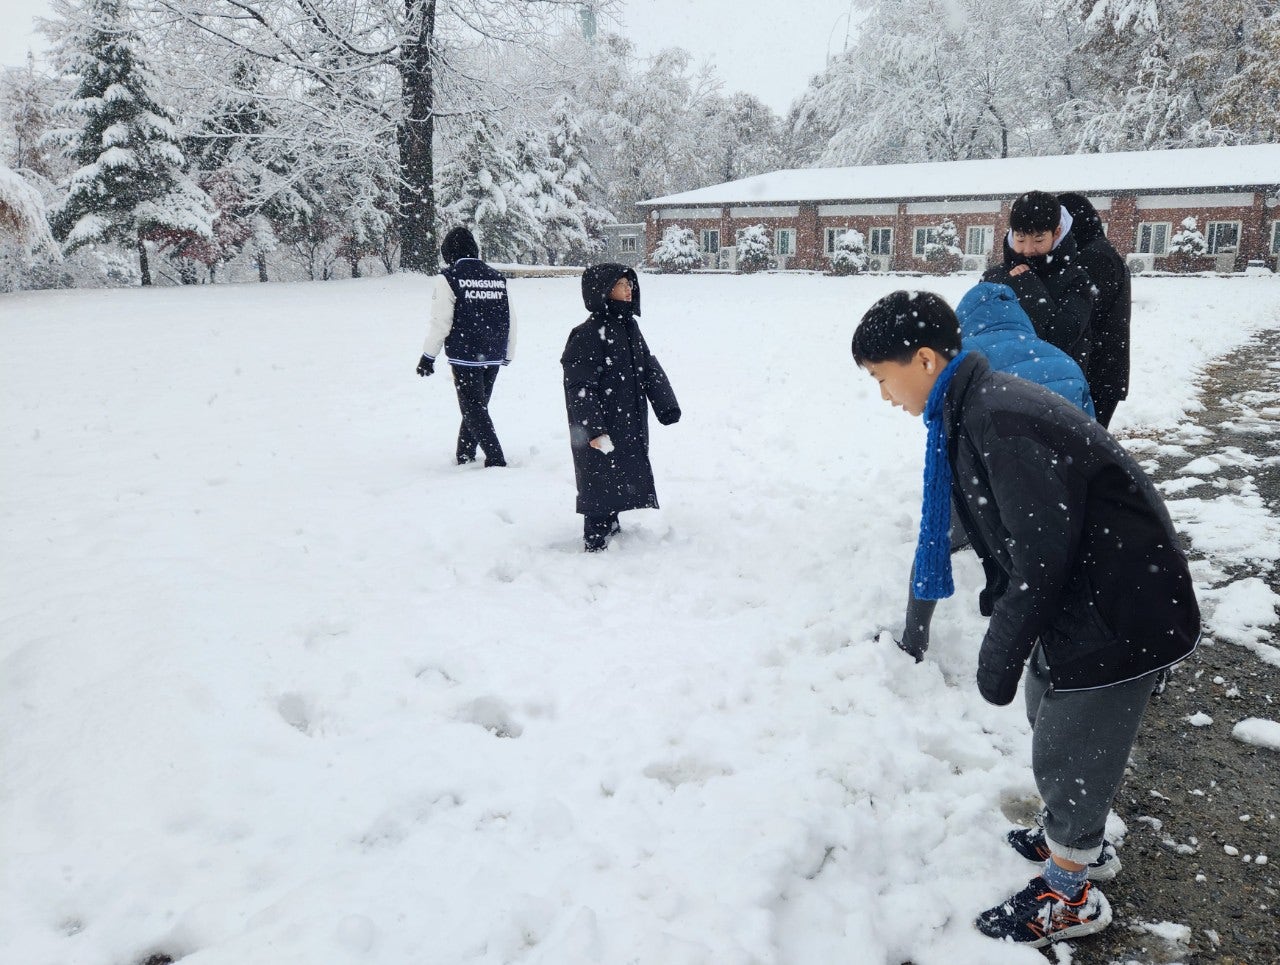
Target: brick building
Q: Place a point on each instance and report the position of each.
(1142, 197)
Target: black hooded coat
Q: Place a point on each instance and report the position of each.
(610, 380)
(1056, 294)
(1108, 371)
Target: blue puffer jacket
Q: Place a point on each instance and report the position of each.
(993, 323)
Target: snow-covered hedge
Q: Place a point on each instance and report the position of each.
(677, 252)
(755, 250)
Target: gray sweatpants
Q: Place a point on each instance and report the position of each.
(1080, 745)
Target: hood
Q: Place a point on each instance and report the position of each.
(1086, 225)
(989, 307)
(1066, 248)
(459, 243)
(598, 281)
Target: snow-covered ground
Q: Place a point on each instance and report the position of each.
(280, 684)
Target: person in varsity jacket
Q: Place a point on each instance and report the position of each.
(471, 320)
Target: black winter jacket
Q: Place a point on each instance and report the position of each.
(1077, 546)
(1056, 294)
(610, 379)
(1108, 371)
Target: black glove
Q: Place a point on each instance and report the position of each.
(997, 682)
(670, 416)
(426, 366)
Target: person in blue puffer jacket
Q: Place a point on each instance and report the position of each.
(992, 322)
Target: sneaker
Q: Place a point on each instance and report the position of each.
(1030, 843)
(1038, 915)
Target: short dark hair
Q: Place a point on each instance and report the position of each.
(902, 322)
(1034, 212)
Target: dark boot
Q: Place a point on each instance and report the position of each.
(596, 532)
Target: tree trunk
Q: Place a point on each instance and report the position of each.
(262, 266)
(144, 267)
(417, 216)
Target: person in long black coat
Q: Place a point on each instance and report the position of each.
(1108, 371)
(610, 380)
(1041, 266)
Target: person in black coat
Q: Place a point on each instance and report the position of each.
(1108, 371)
(1040, 265)
(472, 321)
(1087, 591)
(610, 380)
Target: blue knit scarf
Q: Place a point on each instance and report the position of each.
(933, 550)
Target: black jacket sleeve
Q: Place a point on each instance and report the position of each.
(582, 362)
(1059, 320)
(1040, 503)
(661, 395)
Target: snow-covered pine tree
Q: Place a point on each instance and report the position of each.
(538, 177)
(1186, 248)
(943, 255)
(677, 252)
(580, 237)
(130, 185)
(755, 250)
(849, 256)
(480, 187)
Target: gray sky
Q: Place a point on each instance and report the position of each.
(17, 32)
(769, 48)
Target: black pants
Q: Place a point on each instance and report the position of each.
(1104, 409)
(596, 531)
(474, 385)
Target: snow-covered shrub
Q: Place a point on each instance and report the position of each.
(849, 257)
(755, 250)
(677, 252)
(1189, 241)
(99, 266)
(943, 256)
(1187, 248)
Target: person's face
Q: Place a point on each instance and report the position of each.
(907, 384)
(621, 290)
(1031, 244)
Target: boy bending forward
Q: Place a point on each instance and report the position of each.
(1086, 587)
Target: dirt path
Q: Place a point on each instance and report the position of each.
(1201, 806)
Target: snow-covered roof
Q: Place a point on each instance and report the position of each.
(1210, 167)
(22, 210)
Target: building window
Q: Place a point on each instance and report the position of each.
(1222, 236)
(710, 241)
(925, 236)
(1153, 237)
(881, 241)
(831, 235)
(627, 244)
(977, 241)
(1275, 237)
(784, 240)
